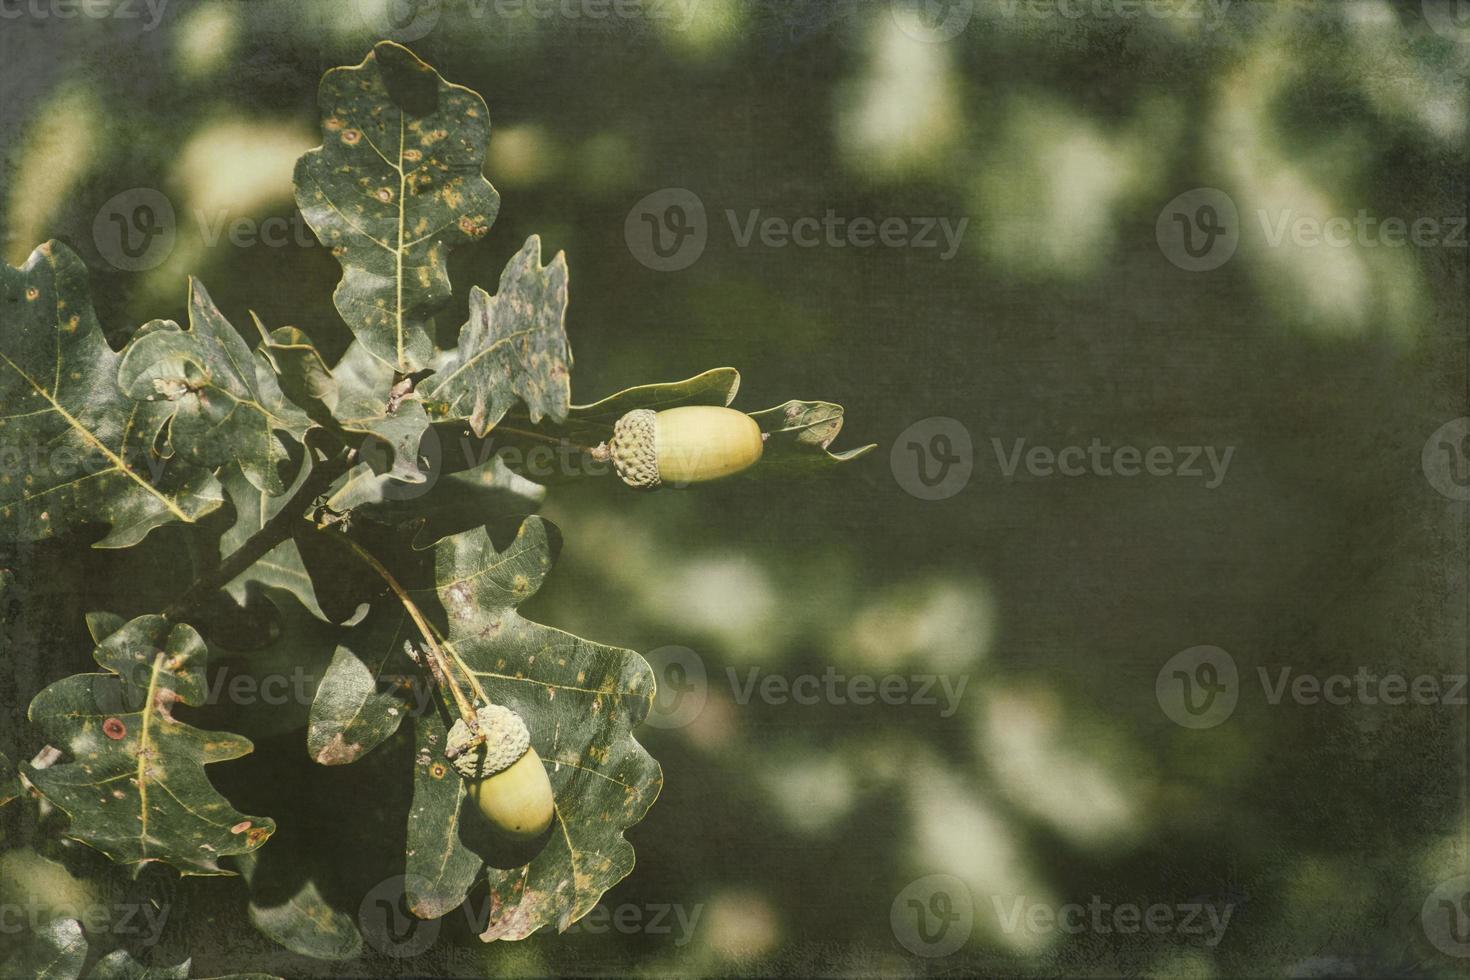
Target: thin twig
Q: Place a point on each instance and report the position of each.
(438, 659)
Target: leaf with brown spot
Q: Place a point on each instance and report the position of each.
(144, 796)
(513, 347)
(394, 186)
(581, 701)
(60, 402)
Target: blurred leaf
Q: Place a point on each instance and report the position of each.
(394, 186)
(135, 787)
(120, 965)
(304, 923)
(10, 788)
(58, 385)
(226, 403)
(580, 701)
(514, 346)
(55, 951)
(798, 434)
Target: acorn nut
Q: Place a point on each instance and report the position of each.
(506, 778)
(678, 446)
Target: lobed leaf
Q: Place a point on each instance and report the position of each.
(580, 700)
(513, 347)
(84, 451)
(281, 567)
(135, 786)
(226, 404)
(394, 186)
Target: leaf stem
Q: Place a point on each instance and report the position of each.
(555, 440)
(439, 661)
(271, 533)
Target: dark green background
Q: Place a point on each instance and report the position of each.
(1061, 139)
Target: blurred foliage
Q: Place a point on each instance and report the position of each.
(792, 828)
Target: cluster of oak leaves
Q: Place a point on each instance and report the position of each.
(183, 420)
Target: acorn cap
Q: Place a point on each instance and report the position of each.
(634, 448)
(506, 740)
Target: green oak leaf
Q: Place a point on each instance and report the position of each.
(513, 346)
(394, 186)
(91, 448)
(282, 566)
(135, 786)
(798, 434)
(226, 403)
(355, 400)
(580, 700)
(367, 689)
(55, 951)
(304, 922)
(386, 435)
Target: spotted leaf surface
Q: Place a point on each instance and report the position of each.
(514, 346)
(133, 781)
(580, 700)
(394, 186)
(226, 403)
(88, 449)
(120, 965)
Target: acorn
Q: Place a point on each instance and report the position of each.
(506, 778)
(678, 446)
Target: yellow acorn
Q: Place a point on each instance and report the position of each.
(678, 446)
(506, 778)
